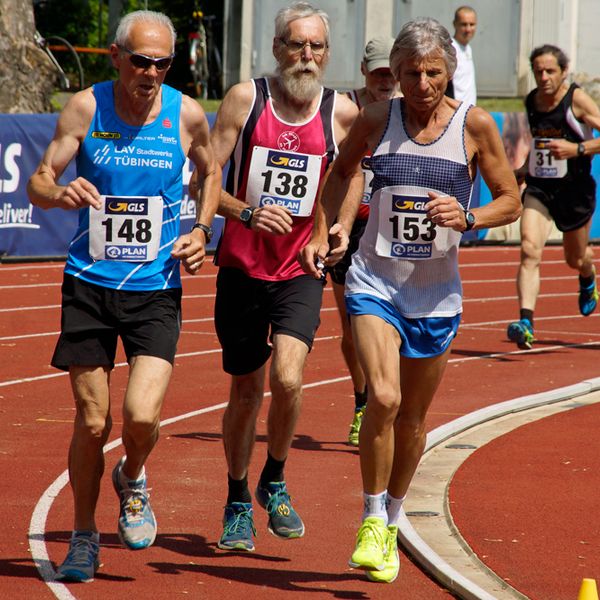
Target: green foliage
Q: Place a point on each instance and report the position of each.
(501, 104)
(85, 23)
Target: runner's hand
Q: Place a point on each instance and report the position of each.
(272, 219)
(445, 211)
(190, 249)
(78, 194)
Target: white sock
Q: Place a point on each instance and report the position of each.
(125, 480)
(393, 508)
(374, 506)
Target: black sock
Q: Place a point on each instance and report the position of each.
(360, 399)
(586, 282)
(527, 313)
(238, 490)
(272, 471)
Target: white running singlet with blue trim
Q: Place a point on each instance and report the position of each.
(403, 257)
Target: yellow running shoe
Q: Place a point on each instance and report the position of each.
(355, 427)
(392, 560)
(371, 542)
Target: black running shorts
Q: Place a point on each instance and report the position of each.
(571, 203)
(246, 309)
(94, 317)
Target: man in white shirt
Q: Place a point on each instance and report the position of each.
(462, 86)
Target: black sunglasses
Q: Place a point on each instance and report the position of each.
(141, 61)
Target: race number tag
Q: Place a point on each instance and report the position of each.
(541, 162)
(368, 173)
(405, 231)
(284, 179)
(126, 228)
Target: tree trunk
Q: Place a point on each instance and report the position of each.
(27, 77)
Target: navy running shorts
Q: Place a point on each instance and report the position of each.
(94, 317)
(247, 309)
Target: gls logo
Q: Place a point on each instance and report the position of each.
(286, 161)
(9, 166)
(408, 203)
(126, 206)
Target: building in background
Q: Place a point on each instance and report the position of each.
(507, 32)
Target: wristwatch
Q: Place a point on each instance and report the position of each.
(470, 220)
(246, 216)
(580, 149)
(208, 232)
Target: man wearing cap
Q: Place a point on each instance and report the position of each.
(462, 85)
(380, 85)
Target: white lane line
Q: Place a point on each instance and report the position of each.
(9, 338)
(412, 542)
(542, 350)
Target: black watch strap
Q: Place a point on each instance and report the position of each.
(208, 232)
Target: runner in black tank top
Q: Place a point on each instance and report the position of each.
(560, 187)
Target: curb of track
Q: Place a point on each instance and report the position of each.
(410, 540)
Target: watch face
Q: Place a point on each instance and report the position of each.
(246, 215)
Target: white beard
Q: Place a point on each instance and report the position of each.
(299, 85)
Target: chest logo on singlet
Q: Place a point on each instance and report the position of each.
(288, 140)
(106, 135)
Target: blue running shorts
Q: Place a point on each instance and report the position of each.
(421, 338)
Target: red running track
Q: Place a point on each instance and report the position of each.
(187, 470)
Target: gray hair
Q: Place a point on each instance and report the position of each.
(299, 10)
(419, 39)
(142, 16)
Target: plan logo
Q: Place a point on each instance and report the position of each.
(411, 250)
(131, 253)
(292, 205)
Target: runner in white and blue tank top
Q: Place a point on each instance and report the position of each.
(403, 290)
(405, 170)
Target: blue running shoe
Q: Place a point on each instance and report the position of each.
(521, 332)
(81, 562)
(238, 527)
(284, 521)
(588, 299)
(137, 524)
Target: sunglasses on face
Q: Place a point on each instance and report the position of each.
(141, 61)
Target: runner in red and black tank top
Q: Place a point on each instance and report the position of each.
(258, 254)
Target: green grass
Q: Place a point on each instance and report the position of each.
(210, 106)
(490, 104)
(501, 104)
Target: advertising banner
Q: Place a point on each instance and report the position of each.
(27, 231)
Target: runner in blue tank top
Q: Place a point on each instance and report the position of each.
(403, 290)
(130, 139)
